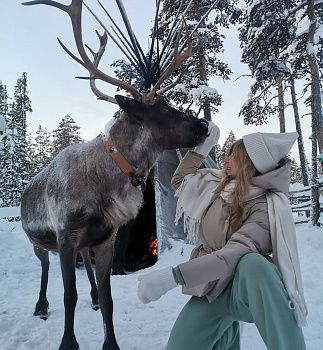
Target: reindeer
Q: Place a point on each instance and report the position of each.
(89, 190)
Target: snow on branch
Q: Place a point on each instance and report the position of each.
(303, 26)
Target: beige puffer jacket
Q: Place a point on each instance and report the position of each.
(213, 263)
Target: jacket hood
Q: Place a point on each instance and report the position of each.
(275, 180)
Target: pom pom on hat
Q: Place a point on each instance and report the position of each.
(267, 149)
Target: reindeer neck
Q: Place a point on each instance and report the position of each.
(136, 145)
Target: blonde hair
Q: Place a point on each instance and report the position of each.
(246, 170)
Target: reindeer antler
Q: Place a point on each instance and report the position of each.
(96, 60)
(74, 10)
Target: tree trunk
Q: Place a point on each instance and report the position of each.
(281, 105)
(206, 106)
(301, 150)
(316, 106)
(315, 214)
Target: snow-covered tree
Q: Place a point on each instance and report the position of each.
(299, 50)
(16, 163)
(20, 107)
(3, 100)
(66, 134)
(205, 62)
(296, 172)
(218, 156)
(3, 110)
(125, 72)
(306, 54)
(43, 150)
(221, 152)
(39, 150)
(264, 34)
(19, 169)
(6, 173)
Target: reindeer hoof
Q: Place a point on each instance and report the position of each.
(41, 310)
(95, 306)
(42, 315)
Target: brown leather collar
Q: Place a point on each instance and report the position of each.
(124, 165)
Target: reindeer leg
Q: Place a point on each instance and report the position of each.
(67, 255)
(41, 308)
(85, 252)
(103, 262)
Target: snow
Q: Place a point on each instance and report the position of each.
(311, 49)
(296, 186)
(198, 91)
(303, 26)
(202, 91)
(137, 326)
(318, 34)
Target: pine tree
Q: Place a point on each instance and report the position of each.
(31, 151)
(263, 36)
(4, 144)
(126, 72)
(3, 100)
(42, 155)
(218, 156)
(66, 134)
(273, 62)
(205, 63)
(3, 110)
(6, 153)
(221, 152)
(296, 172)
(19, 167)
(21, 106)
(17, 162)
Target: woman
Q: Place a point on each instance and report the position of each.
(239, 218)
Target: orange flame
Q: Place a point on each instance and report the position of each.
(153, 247)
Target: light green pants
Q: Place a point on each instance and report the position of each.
(256, 295)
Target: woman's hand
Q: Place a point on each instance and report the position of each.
(210, 141)
(155, 284)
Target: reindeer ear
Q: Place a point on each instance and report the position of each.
(129, 105)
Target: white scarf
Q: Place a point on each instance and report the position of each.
(195, 195)
(285, 253)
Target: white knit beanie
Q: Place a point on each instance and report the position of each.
(267, 149)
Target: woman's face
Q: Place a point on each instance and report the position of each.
(230, 165)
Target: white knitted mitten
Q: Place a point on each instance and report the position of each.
(212, 140)
(155, 284)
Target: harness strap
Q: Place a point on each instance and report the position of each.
(124, 165)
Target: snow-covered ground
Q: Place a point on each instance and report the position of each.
(138, 326)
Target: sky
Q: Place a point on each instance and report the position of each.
(28, 44)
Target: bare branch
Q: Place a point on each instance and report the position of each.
(242, 76)
(268, 102)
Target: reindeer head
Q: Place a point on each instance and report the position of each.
(170, 127)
